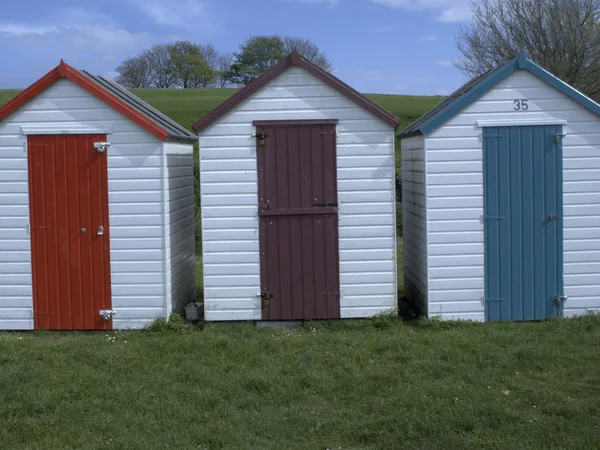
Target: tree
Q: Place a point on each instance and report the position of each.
(257, 54)
(210, 54)
(161, 66)
(189, 65)
(224, 62)
(309, 50)
(134, 73)
(561, 35)
(260, 53)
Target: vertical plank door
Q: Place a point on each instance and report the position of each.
(299, 248)
(68, 199)
(523, 224)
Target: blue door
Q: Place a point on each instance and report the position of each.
(522, 174)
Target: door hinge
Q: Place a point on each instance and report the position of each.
(34, 228)
(560, 299)
(483, 218)
(558, 137)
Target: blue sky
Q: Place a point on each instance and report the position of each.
(377, 46)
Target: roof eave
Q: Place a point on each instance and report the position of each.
(522, 62)
(409, 134)
(295, 59)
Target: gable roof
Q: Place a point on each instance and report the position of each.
(478, 86)
(295, 59)
(110, 93)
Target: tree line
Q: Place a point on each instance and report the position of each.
(184, 64)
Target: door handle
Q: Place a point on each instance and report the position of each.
(553, 217)
(100, 230)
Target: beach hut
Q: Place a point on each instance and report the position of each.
(298, 203)
(96, 207)
(501, 194)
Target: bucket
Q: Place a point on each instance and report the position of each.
(193, 311)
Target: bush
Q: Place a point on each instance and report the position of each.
(176, 323)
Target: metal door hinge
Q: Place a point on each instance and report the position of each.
(560, 299)
(34, 228)
(107, 314)
(483, 218)
(101, 147)
(558, 137)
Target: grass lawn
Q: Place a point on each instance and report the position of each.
(376, 383)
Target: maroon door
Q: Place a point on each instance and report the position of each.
(299, 248)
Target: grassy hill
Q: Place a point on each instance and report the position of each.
(189, 105)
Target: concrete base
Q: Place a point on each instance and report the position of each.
(284, 324)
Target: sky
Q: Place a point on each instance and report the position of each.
(376, 46)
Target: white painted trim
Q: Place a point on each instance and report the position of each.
(520, 122)
(65, 129)
(394, 203)
(166, 249)
(179, 149)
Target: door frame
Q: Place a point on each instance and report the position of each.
(559, 124)
(73, 130)
(325, 210)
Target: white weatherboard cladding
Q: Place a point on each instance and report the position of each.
(455, 248)
(365, 160)
(180, 255)
(136, 208)
(414, 221)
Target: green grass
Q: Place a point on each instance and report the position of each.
(376, 384)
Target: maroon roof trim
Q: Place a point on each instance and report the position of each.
(295, 59)
(258, 123)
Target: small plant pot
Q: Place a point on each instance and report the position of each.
(193, 311)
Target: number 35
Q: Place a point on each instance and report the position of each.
(521, 105)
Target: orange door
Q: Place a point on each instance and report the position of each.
(68, 200)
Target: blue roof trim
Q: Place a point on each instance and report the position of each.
(486, 83)
(563, 87)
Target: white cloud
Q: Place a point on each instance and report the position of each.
(446, 10)
(428, 38)
(83, 44)
(189, 14)
(444, 62)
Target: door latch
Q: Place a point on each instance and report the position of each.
(266, 298)
(101, 147)
(558, 137)
(100, 230)
(553, 217)
(560, 299)
(107, 314)
(260, 138)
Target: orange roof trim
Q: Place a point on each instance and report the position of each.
(63, 70)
